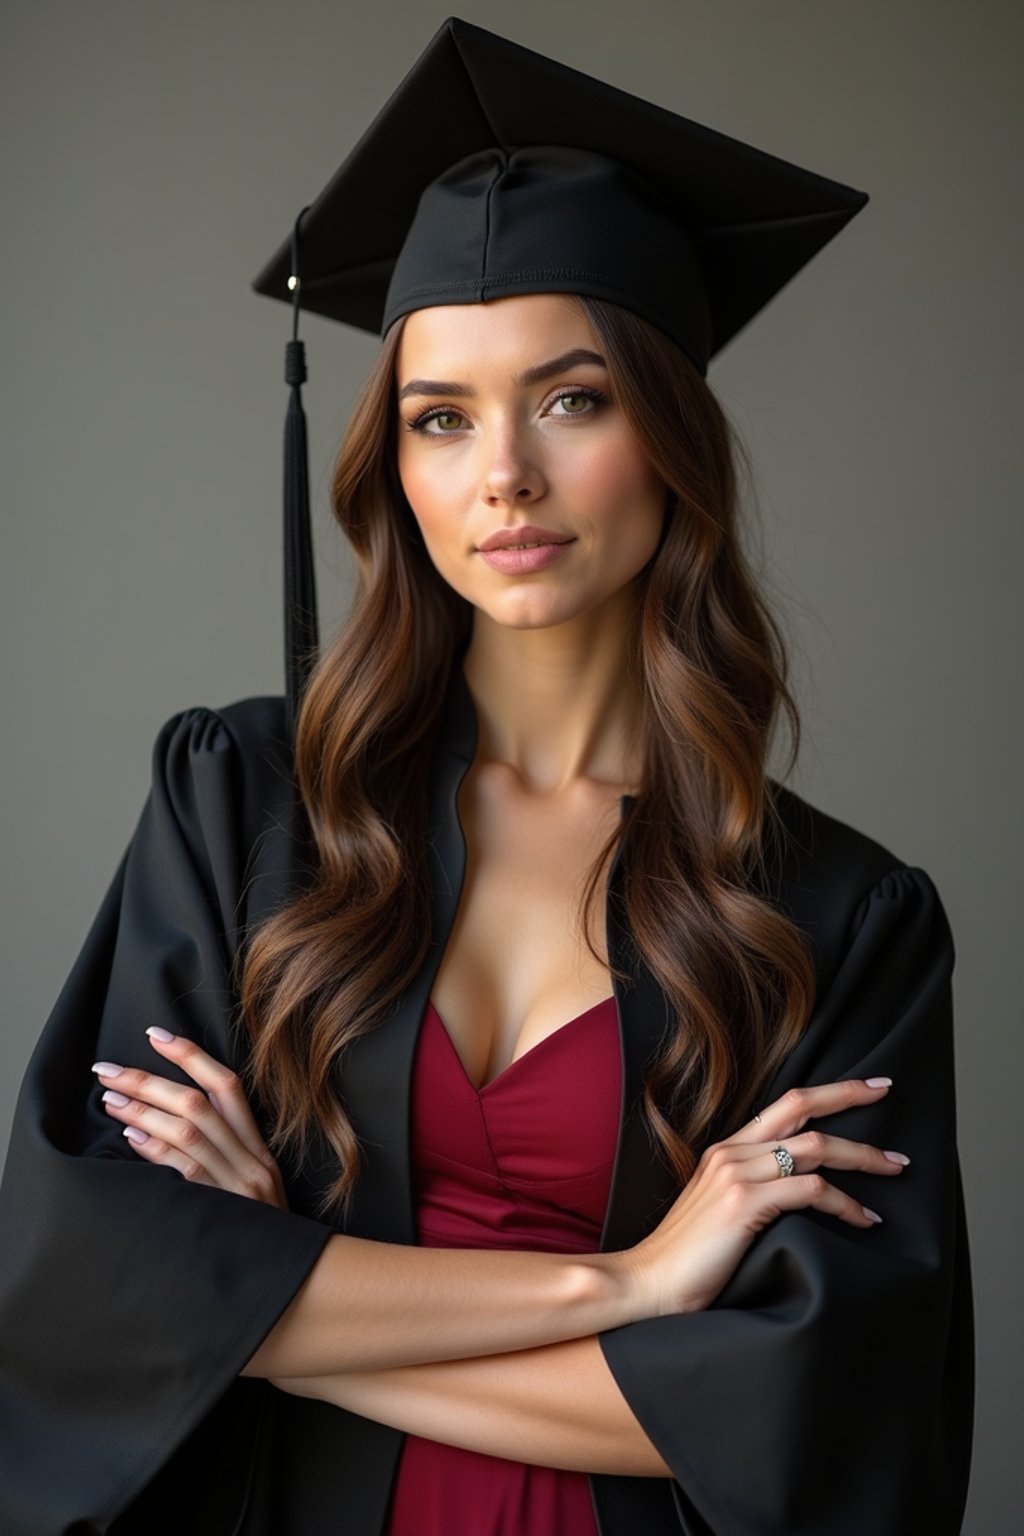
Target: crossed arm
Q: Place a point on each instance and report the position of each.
(557, 1405)
(491, 1350)
(486, 1349)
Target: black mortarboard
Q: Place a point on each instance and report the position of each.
(494, 170)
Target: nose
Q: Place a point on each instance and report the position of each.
(511, 473)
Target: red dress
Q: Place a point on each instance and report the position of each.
(524, 1162)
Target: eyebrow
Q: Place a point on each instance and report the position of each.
(535, 375)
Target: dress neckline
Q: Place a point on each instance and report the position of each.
(518, 1060)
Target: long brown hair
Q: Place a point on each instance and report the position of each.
(712, 666)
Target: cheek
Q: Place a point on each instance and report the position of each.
(616, 479)
(415, 483)
(435, 502)
(608, 471)
(421, 493)
(430, 492)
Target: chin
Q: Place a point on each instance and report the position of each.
(532, 616)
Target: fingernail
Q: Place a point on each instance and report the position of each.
(160, 1034)
(106, 1068)
(872, 1215)
(134, 1134)
(113, 1097)
(896, 1157)
(878, 1082)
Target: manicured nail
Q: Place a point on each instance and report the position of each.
(872, 1215)
(896, 1157)
(160, 1034)
(134, 1133)
(113, 1097)
(878, 1082)
(106, 1068)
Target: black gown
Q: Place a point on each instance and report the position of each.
(827, 1391)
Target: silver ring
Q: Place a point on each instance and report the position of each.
(758, 1119)
(784, 1160)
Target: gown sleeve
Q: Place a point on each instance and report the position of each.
(130, 1299)
(828, 1390)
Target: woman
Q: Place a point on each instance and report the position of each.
(504, 1066)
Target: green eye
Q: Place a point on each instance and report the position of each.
(587, 401)
(423, 421)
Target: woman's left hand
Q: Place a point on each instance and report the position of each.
(210, 1137)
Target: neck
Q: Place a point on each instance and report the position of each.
(558, 705)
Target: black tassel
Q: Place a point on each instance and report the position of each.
(301, 630)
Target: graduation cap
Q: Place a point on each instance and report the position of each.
(494, 170)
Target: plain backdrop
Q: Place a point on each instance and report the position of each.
(153, 156)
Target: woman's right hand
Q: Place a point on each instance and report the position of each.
(737, 1190)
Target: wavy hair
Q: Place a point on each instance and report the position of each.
(712, 669)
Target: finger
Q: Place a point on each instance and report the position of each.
(198, 1159)
(788, 1114)
(163, 1155)
(237, 1167)
(185, 1104)
(815, 1149)
(184, 1148)
(223, 1085)
(811, 1189)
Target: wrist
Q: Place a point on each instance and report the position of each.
(645, 1298)
(611, 1287)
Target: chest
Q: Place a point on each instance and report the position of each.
(516, 966)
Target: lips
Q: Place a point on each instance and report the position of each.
(507, 538)
(520, 562)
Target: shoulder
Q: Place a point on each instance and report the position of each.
(819, 847)
(223, 784)
(243, 744)
(250, 727)
(211, 762)
(833, 878)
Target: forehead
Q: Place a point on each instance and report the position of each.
(449, 339)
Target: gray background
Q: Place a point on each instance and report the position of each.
(153, 156)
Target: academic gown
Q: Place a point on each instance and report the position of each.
(826, 1391)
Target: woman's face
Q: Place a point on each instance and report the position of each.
(506, 422)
